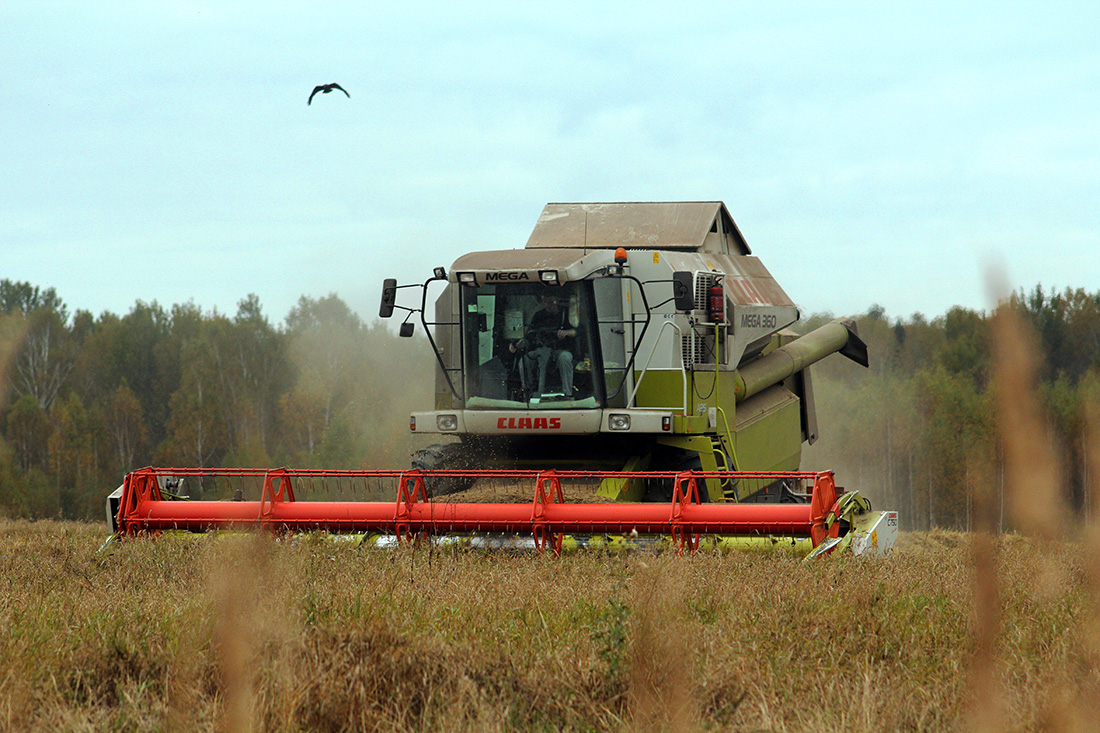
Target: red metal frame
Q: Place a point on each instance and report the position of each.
(547, 518)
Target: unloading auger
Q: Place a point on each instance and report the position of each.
(153, 500)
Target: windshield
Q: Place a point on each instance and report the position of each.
(529, 346)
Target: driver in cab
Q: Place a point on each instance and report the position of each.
(549, 338)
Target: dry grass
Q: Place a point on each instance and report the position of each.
(230, 633)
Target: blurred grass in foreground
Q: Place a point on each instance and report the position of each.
(234, 632)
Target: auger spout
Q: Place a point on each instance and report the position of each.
(837, 336)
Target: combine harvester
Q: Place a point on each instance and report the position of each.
(635, 354)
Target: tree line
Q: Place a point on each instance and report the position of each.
(85, 399)
(919, 431)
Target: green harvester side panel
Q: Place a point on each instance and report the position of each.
(768, 436)
(663, 388)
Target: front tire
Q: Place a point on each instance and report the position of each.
(445, 457)
(661, 490)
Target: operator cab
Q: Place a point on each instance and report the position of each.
(530, 345)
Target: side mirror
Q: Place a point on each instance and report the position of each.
(683, 290)
(389, 297)
(406, 330)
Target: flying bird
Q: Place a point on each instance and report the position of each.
(325, 89)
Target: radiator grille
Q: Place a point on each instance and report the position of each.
(703, 283)
(696, 349)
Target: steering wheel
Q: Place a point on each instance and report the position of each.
(541, 336)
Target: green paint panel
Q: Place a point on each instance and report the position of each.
(662, 389)
(770, 440)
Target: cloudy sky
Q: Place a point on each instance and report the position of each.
(871, 154)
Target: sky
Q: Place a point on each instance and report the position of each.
(876, 153)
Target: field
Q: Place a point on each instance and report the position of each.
(233, 632)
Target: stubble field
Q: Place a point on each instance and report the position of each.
(232, 632)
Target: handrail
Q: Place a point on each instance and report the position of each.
(435, 349)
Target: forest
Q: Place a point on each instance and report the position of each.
(920, 430)
(84, 399)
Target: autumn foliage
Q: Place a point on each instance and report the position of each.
(920, 431)
(84, 399)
